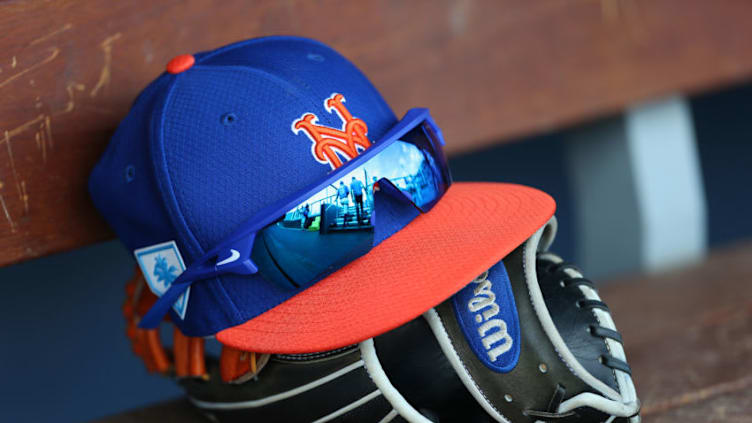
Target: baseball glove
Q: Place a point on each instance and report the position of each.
(527, 341)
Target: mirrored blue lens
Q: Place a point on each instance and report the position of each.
(334, 226)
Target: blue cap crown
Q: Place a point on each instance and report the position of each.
(204, 149)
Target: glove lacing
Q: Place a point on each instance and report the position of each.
(595, 330)
(566, 272)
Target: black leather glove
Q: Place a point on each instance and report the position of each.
(527, 341)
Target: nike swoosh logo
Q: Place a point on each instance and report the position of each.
(234, 255)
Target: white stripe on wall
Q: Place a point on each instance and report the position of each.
(668, 182)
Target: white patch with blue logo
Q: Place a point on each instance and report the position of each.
(161, 264)
(487, 314)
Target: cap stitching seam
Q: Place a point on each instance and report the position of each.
(168, 195)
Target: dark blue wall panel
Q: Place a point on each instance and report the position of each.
(723, 126)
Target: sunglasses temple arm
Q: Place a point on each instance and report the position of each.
(156, 313)
(236, 260)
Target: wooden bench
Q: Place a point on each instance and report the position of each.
(489, 70)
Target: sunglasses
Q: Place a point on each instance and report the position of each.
(305, 237)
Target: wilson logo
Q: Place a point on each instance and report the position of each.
(493, 332)
(330, 145)
(487, 315)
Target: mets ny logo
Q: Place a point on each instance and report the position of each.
(487, 314)
(161, 264)
(331, 144)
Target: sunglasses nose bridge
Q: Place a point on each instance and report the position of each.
(387, 187)
(392, 211)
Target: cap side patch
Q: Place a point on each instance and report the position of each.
(487, 314)
(161, 264)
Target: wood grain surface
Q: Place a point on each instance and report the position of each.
(687, 334)
(688, 337)
(488, 69)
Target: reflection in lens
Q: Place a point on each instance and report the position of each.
(412, 171)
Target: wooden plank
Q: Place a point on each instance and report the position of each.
(688, 336)
(488, 69)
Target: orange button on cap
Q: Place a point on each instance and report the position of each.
(180, 63)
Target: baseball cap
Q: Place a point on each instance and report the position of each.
(211, 142)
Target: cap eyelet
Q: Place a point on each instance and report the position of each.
(315, 57)
(228, 119)
(130, 173)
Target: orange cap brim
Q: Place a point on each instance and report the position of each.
(469, 230)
